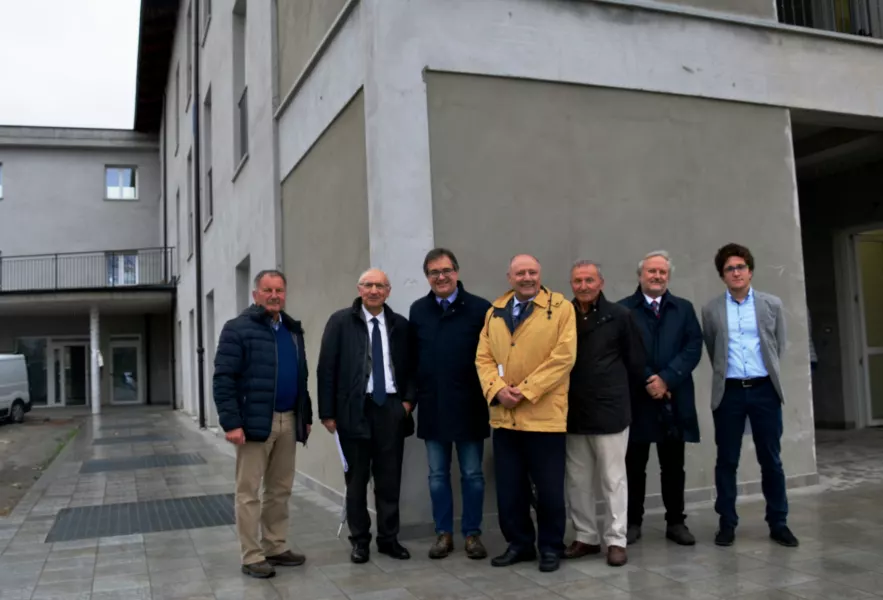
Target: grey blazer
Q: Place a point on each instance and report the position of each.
(770, 324)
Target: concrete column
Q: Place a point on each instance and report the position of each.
(95, 369)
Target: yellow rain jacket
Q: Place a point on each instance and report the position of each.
(536, 359)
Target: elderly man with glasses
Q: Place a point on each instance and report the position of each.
(362, 375)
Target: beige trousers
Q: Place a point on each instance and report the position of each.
(593, 459)
(270, 462)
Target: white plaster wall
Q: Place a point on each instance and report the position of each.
(244, 216)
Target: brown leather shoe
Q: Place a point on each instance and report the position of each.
(261, 570)
(287, 559)
(443, 546)
(616, 556)
(474, 548)
(579, 549)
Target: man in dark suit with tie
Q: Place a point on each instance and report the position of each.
(363, 369)
(744, 333)
(664, 408)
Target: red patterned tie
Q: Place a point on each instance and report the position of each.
(655, 306)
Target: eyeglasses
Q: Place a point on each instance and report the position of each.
(735, 268)
(435, 274)
(369, 285)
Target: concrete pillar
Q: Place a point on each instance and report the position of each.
(95, 369)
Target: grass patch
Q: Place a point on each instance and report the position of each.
(62, 442)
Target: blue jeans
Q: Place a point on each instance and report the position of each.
(469, 454)
(762, 406)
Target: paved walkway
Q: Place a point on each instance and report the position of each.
(841, 533)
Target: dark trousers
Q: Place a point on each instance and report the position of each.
(671, 467)
(519, 458)
(380, 457)
(763, 408)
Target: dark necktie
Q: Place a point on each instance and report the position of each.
(517, 311)
(445, 303)
(655, 306)
(377, 364)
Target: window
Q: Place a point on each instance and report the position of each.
(189, 205)
(177, 107)
(208, 204)
(121, 183)
(178, 237)
(189, 55)
(122, 268)
(206, 17)
(240, 90)
(1, 181)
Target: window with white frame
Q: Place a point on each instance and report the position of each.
(122, 268)
(1, 181)
(121, 183)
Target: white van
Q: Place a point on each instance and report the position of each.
(15, 397)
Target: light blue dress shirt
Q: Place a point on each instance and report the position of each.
(450, 298)
(744, 358)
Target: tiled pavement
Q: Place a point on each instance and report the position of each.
(841, 532)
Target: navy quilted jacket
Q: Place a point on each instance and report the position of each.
(244, 383)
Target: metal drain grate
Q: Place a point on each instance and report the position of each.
(102, 465)
(150, 516)
(131, 439)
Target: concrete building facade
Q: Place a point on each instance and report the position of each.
(378, 129)
(86, 278)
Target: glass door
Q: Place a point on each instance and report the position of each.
(69, 374)
(869, 255)
(125, 372)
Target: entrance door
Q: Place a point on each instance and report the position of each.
(125, 372)
(69, 367)
(869, 258)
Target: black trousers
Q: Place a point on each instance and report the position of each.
(380, 457)
(671, 466)
(519, 458)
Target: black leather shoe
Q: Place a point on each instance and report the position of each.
(725, 536)
(549, 561)
(512, 556)
(782, 535)
(360, 554)
(394, 550)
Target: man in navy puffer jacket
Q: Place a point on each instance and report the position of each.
(264, 408)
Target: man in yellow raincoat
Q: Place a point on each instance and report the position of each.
(525, 353)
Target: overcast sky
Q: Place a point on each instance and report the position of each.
(68, 63)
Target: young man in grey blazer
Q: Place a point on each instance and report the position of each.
(744, 333)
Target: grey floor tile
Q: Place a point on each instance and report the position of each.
(178, 576)
(827, 590)
(17, 593)
(112, 583)
(727, 586)
(65, 575)
(67, 589)
(673, 592)
(778, 577)
(182, 590)
(588, 589)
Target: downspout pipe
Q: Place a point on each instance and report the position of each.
(197, 235)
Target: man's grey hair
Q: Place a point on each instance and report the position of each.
(272, 273)
(661, 253)
(586, 263)
(381, 271)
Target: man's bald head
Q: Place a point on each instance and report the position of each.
(524, 276)
(374, 289)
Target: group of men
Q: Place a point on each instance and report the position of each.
(576, 392)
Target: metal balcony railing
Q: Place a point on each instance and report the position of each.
(88, 270)
(856, 17)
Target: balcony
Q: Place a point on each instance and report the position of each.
(144, 268)
(855, 17)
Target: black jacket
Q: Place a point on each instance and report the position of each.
(345, 367)
(609, 361)
(445, 381)
(244, 383)
(674, 348)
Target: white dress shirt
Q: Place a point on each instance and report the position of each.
(387, 368)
